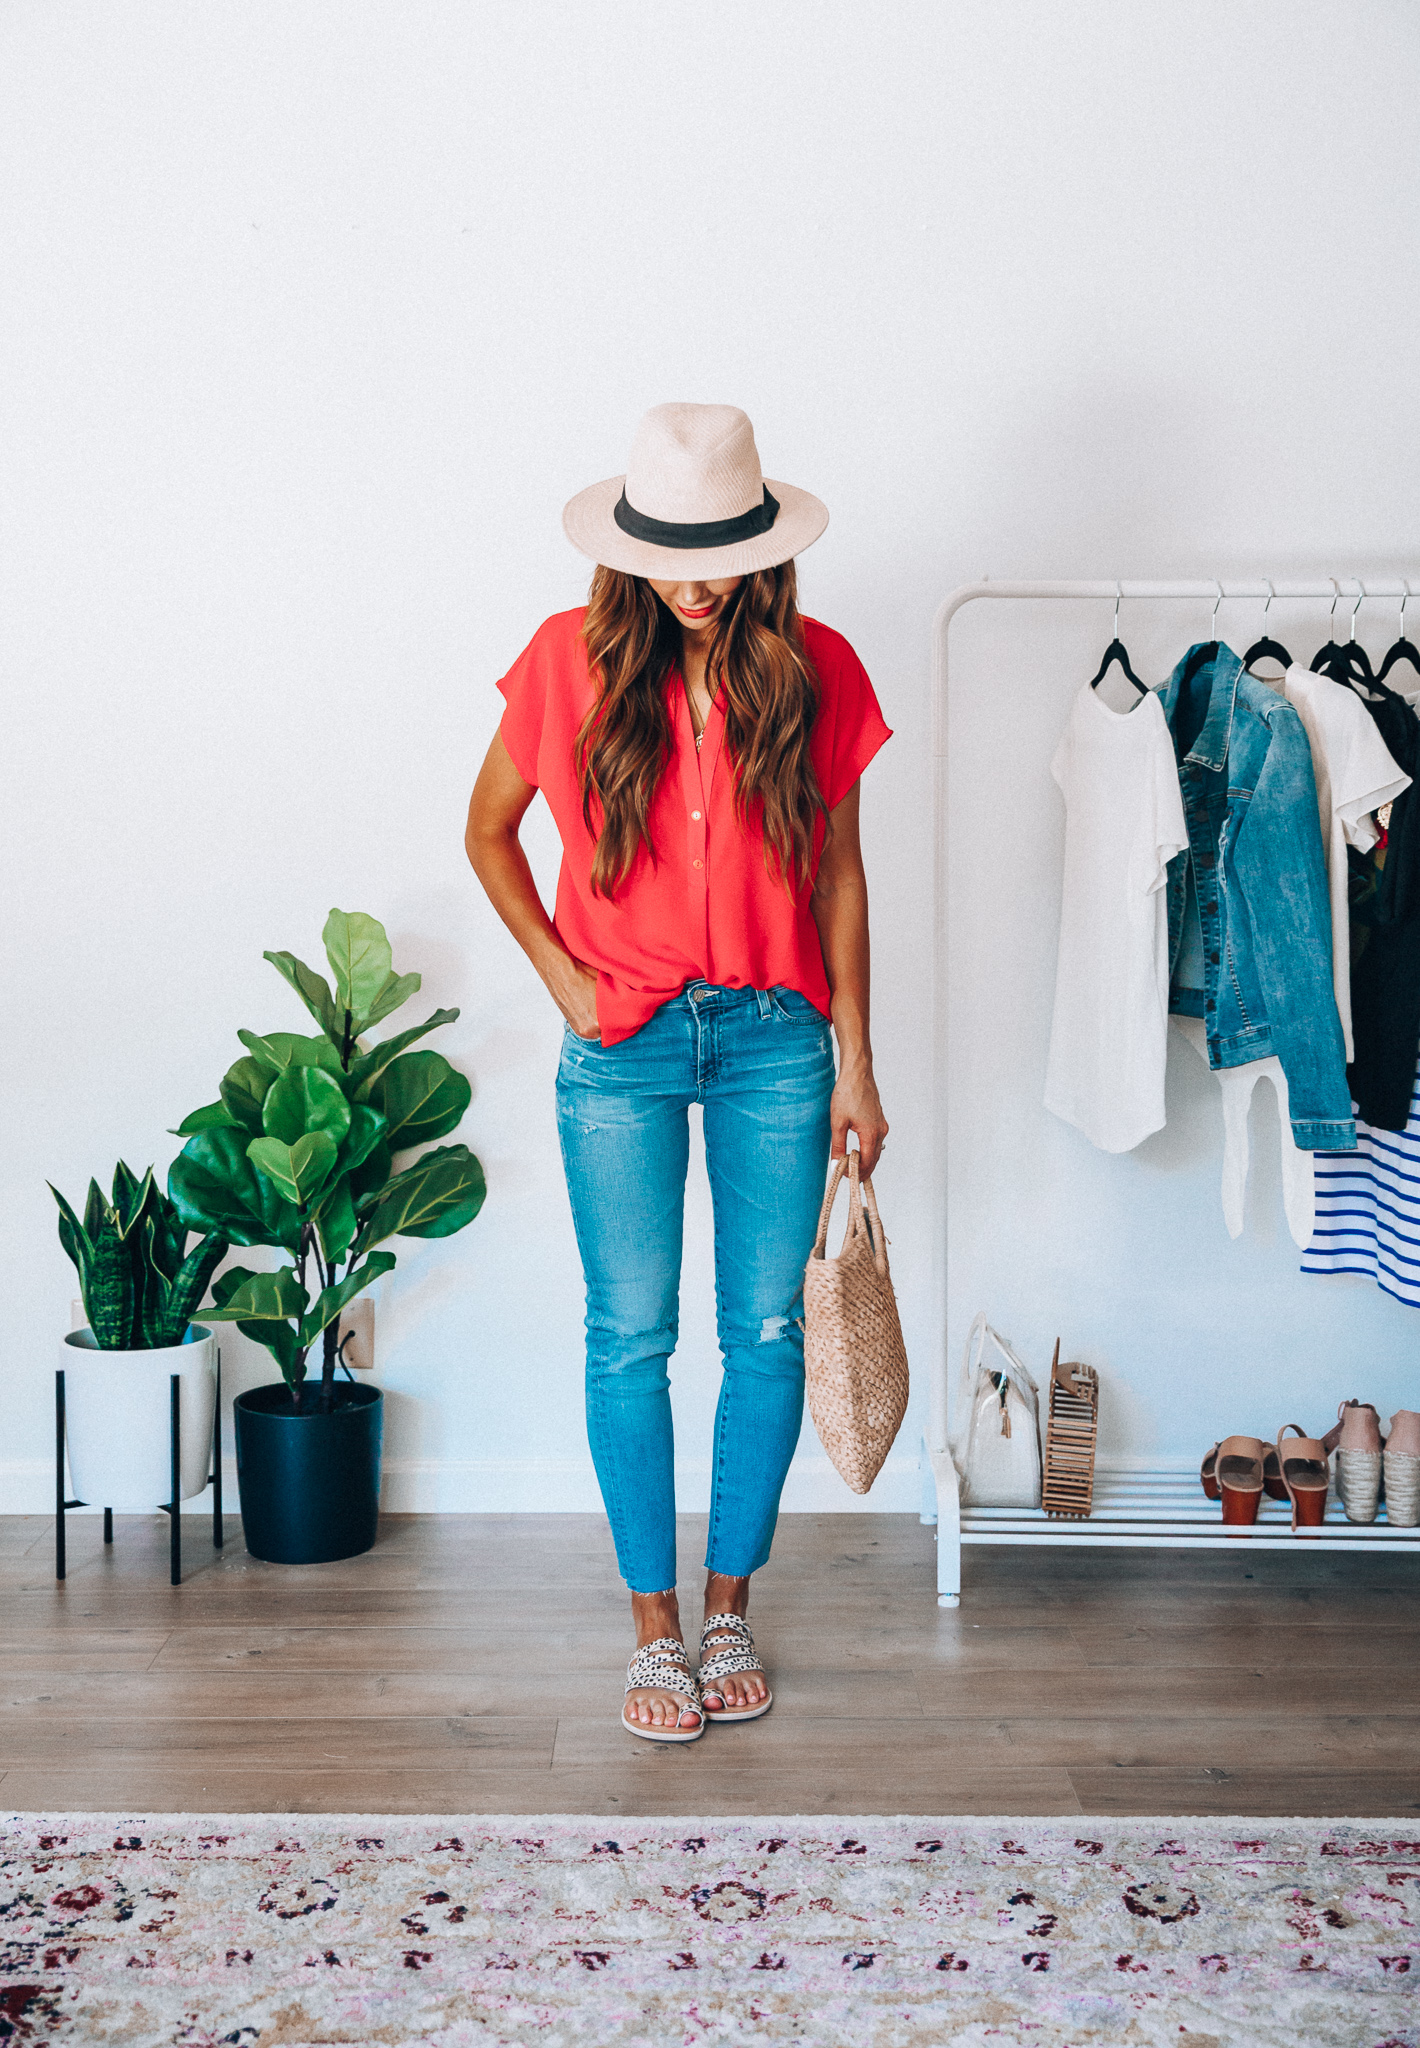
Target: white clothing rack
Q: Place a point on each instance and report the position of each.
(1164, 1506)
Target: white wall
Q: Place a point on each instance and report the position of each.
(313, 317)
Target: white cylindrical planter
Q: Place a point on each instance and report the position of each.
(117, 1406)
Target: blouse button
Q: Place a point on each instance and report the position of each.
(695, 815)
(697, 863)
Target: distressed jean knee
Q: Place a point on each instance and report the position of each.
(630, 1363)
(770, 1349)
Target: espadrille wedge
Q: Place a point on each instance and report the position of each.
(663, 1666)
(1358, 1449)
(1402, 1470)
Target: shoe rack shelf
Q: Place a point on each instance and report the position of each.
(1163, 1508)
(1157, 1509)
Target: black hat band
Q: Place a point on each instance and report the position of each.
(706, 533)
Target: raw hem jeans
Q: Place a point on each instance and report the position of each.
(760, 1062)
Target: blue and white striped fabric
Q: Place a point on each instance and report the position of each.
(1368, 1209)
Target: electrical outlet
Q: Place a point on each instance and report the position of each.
(77, 1319)
(358, 1323)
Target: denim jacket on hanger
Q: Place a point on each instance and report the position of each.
(1249, 913)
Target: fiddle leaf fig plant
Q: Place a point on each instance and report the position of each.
(299, 1151)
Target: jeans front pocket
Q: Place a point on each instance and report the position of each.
(795, 1008)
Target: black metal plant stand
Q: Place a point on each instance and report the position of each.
(173, 1508)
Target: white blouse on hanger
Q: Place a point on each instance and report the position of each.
(1123, 824)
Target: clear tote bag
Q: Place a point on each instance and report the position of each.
(996, 1442)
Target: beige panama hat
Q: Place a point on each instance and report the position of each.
(693, 502)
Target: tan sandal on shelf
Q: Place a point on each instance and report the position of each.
(1306, 1475)
(1239, 1473)
(1208, 1474)
(1273, 1484)
(663, 1666)
(731, 1649)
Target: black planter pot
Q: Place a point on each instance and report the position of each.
(310, 1483)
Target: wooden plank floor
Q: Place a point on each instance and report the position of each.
(475, 1663)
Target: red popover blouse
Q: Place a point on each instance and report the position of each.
(708, 908)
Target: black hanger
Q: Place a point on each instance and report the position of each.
(1204, 652)
(1402, 649)
(1117, 651)
(1345, 661)
(1266, 649)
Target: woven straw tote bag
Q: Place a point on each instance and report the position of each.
(855, 1363)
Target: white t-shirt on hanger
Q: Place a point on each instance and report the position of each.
(1355, 775)
(1123, 824)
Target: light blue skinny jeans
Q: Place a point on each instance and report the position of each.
(761, 1063)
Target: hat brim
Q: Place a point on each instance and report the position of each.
(588, 522)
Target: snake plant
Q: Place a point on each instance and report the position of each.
(298, 1153)
(140, 1284)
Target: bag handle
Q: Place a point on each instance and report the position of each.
(1016, 1369)
(1012, 1367)
(858, 1221)
(961, 1406)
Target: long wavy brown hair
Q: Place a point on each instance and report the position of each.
(771, 696)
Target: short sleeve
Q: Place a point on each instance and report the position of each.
(858, 728)
(526, 688)
(1170, 826)
(1364, 776)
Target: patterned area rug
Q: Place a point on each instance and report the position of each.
(178, 1932)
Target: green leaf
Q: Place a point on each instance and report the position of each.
(72, 1234)
(367, 1127)
(226, 1284)
(267, 1323)
(151, 1286)
(169, 1240)
(96, 1212)
(264, 1297)
(188, 1287)
(367, 1182)
(129, 1193)
(214, 1116)
(244, 1089)
(436, 1196)
(366, 1065)
(312, 988)
(282, 1049)
(215, 1188)
(397, 990)
(422, 1097)
(332, 1300)
(283, 1341)
(360, 960)
(298, 1172)
(109, 1297)
(301, 1100)
(336, 1221)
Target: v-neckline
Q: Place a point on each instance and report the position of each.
(704, 745)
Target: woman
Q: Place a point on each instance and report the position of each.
(699, 745)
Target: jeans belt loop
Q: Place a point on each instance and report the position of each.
(765, 1001)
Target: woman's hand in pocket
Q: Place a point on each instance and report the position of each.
(574, 990)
